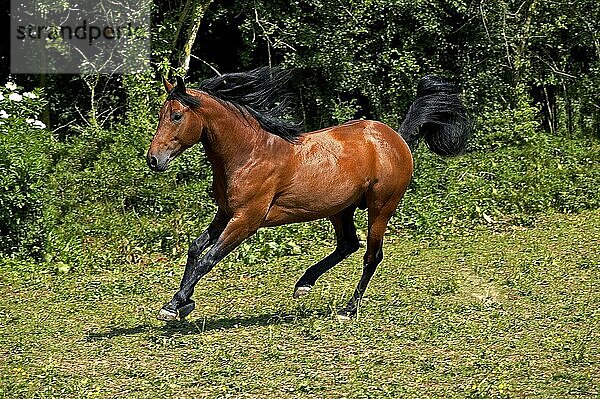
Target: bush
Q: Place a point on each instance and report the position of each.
(501, 126)
(92, 201)
(26, 156)
(511, 184)
(114, 209)
(111, 207)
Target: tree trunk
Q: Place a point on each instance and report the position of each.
(568, 110)
(550, 108)
(191, 18)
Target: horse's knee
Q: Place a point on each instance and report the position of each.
(193, 250)
(196, 246)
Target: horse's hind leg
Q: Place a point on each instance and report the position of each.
(347, 243)
(378, 219)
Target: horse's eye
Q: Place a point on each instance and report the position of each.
(176, 116)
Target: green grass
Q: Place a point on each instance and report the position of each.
(494, 313)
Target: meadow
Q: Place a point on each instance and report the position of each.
(489, 283)
(490, 312)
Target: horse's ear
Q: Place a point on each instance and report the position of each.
(167, 84)
(180, 86)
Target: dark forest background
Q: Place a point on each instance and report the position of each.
(78, 192)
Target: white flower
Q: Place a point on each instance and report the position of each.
(1, 96)
(39, 124)
(11, 86)
(30, 120)
(29, 94)
(15, 97)
(3, 114)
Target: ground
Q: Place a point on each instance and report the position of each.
(494, 312)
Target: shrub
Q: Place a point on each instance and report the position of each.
(26, 155)
(511, 184)
(500, 126)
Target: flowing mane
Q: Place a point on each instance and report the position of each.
(258, 93)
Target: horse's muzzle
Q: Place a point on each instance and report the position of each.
(155, 164)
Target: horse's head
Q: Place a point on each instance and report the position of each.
(179, 126)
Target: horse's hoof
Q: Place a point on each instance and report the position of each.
(343, 318)
(166, 314)
(344, 315)
(301, 291)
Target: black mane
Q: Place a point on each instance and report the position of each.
(178, 93)
(259, 92)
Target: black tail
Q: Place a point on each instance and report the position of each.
(439, 117)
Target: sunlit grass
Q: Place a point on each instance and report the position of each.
(480, 314)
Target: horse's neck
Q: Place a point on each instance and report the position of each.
(229, 139)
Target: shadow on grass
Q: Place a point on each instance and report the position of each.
(200, 326)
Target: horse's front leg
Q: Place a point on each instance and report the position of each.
(238, 228)
(206, 239)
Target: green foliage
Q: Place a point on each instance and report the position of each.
(26, 157)
(505, 126)
(111, 206)
(113, 209)
(508, 184)
(364, 52)
(373, 52)
(103, 206)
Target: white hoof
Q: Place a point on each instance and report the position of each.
(343, 318)
(166, 315)
(301, 291)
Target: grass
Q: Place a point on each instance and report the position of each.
(491, 313)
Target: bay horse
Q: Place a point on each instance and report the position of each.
(267, 173)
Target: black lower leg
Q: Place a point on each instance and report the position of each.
(206, 239)
(347, 244)
(368, 271)
(180, 308)
(196, 248)
(352, 306)
(311, 275)
(202, 267)
(182, 305)
(231, 236)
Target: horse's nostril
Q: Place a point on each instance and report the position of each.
(153, 162)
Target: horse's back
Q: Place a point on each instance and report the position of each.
(375, 151)
(380, 146)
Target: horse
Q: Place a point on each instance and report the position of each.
(266, 172)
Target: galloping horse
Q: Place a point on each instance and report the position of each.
(267, 173)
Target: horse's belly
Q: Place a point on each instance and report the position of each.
(320, 199)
